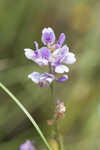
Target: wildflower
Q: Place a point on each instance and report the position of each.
(40, 56)
(54, 55)
(41, 79)
(27, 146)
(58, 55)
(61, 56)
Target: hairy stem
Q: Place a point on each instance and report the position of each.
(27, 114)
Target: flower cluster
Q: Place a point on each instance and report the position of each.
(27, 146)
(54, 55)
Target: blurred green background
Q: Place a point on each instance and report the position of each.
(21, 22)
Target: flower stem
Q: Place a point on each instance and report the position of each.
(57, 133)
(27, 114)
(57, 136)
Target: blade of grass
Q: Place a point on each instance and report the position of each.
(27, 114)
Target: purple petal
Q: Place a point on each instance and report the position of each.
(41, 79)
(60, 40)
(62, 79)
(57, 62)
(45, 53)
(35, 77)
(50, 77)
(48, 36)
(39, 56)
(59, 55)
(37, 53)
(64, 50)
(36, 45)
(46, 77)
(27, 146)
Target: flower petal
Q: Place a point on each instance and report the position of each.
(35, 77)
(50, 78)
(60, 40)
(29, 53)
(42, 79)
(46, 79)
(70, 58)
(63, 78)
(59, 54)
(36, 45)
(45, 53)
(41, 62)
(48, 36)
(64, 50)
(27, 146)
(61, 69)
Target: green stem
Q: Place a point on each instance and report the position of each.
(58, 136)
(27, 114)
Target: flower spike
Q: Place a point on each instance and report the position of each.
(55, 55)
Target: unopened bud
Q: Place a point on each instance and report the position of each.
(60, 109)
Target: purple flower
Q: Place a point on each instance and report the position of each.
(38, 56)
(53, 55)
(27, 146)
(61, 79)
(48, 36)
(41, 79)
(60, 40)
(59, 54)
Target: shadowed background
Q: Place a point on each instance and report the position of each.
(21, 22)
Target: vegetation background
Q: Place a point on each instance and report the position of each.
(21, 22)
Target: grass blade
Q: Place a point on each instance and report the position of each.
(27, 114)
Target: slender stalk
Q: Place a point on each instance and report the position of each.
(27, 114)
(52, 95)
(58, 136)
